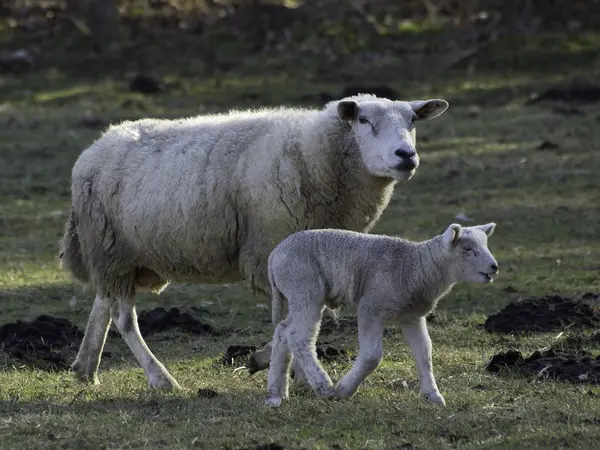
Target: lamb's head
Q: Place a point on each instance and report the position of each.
(385, 131)
(470, 259)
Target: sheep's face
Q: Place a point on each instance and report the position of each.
(471, 260)
(385, 132)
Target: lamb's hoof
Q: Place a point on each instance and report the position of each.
(164, 382)
(83, 376)
(435, 397)
(273, 402)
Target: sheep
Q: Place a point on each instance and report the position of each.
(205, 199)
(384, 278)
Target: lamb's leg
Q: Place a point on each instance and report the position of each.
(370, 353)
(300, 381)
(125, 317)
(417, 338)
(301, 336)
(88, 358)
(279, 367)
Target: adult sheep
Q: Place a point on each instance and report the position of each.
(205, 200)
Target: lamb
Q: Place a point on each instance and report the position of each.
(205, 199)
(385, 278)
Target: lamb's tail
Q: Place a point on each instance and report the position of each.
(70, 254)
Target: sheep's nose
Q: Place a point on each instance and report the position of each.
(408, 159)
(494, 268)
(405, 153)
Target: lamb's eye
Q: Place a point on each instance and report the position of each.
(362, 120)
(468, 249)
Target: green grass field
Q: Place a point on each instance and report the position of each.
(482, 162)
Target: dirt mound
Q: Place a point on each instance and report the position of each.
(236, 352)
(270, 446)
(541, 314)
(46, 343)
(329, 325)
(578, 90)
(207, 393)
(549, 365)
(329, 353)
(159, 319)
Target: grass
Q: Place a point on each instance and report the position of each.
(485, 164)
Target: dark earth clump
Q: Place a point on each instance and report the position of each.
(329, 325)
(207, 393)
(542, 314)
(46, 343)
(270, 446)
(580, 91)
(236, 352)
(549, 365)
(159, 319)
(329, 353)
(146, 84)
(547, 145)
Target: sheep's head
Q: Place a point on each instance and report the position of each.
(385, 131)
(471, 260)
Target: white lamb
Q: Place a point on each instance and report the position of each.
(206, 199)
(385, 278)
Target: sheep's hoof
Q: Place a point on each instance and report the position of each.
(164, 382)
(273, 402)
(435, 397)
(342, 391)
(83, 376)
(326, 391)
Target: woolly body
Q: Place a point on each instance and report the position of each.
(385, 278)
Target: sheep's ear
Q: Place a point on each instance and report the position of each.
(488, 228)
(347, 109)
(452, 235)
(428, 109)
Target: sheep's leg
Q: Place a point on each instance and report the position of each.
(301, 336)
(370, 353)
(88, 358)
(417, 338)
(279, 367)
(125, 317)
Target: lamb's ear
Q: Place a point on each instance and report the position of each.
(488, 228)
(347, 109)
(428, 109)
(452, 235)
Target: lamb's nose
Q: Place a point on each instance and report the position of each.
(494, 268)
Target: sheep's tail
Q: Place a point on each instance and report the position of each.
(70, 254)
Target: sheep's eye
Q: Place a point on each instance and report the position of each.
(362, 120)
(468, 249)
